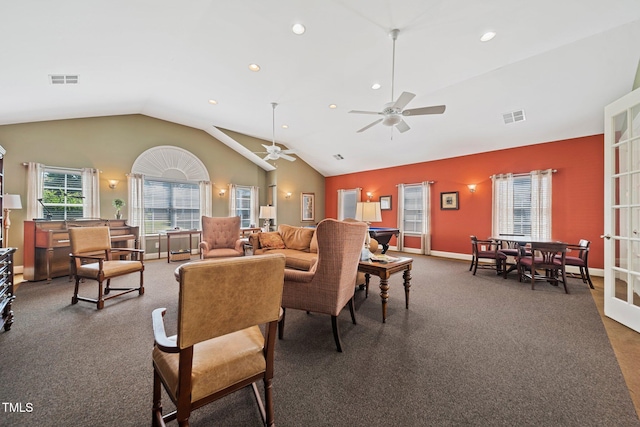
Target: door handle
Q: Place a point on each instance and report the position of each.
(605, 236)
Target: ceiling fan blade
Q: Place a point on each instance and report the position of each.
(363, 112)
(369, 125)
(402, 126)
(267, 157)
(403, 100)
(287, 152)
(436, 109)
(266, 146)
(287, 157)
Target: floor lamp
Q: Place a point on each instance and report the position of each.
(267, 213)
(368, 212)
(9, 201)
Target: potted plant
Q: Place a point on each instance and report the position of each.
(118, 204)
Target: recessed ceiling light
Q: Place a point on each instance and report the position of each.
(375, 86)
(333, 106)
(285, 126)
(254, 67)
(487, 36)
(298, 29)
(213, 102)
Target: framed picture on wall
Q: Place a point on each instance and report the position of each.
(385, 203)
(449, 200)
(308, 206)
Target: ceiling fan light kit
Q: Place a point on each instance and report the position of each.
(394, 111)
(274, 152)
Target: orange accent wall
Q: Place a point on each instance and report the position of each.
(578, 192)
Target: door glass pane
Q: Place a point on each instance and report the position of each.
(635, 121)
(620, 127)
(634, 194)
(621, 158)
(619, 190)
(620, 283)
(620, 248)
(635, 256)
(635, 296)
(635, 153)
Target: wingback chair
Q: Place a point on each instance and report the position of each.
(223, 306)
(221, 237)
(329, 285)
(374, 248)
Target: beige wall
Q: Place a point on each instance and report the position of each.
(111, 144)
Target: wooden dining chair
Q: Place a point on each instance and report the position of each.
(580, 260)
(546, 263)
(485, 254)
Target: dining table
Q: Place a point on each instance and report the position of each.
(514, 241)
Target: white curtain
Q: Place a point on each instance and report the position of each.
(135, 211)
(400, 221)
(205, 198)
(541, 204)
(502, 199)
(255, 204)
(35, 185)
(426, 218)
(90, 192)
(232, 199)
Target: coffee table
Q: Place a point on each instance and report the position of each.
(384, 270)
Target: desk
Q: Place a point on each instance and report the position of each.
(383, 235)
(170, 233)
(384, 270)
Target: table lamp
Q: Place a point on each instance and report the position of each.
(9, 201)
(267, 213)
(368, 212)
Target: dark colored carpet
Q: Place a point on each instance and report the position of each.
(474, 351)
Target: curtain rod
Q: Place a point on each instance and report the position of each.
(520, 174)
(418, 183)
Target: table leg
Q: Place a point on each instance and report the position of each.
(384, 295)
(367, 276)
(168, 248)
(407, 284)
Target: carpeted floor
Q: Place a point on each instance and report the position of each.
(470, 350)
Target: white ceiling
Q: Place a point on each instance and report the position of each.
(561, 61)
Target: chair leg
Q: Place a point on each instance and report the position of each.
(353, 313)
(74, 298)
(475, 266)
(472, 261)
(100, 301)
(106, 289)
(141, 289)
(156, 412)
(586, 273)
(281, 324)
(336, 333)
(564, 281)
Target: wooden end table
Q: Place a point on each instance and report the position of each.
(384, 270)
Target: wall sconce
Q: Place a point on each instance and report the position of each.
(113, 183)
(472, 188)
(287, 196)
(221, 192)
(369, 195)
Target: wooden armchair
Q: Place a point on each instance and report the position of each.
(485, 254)
(219, 347)
(329, 285)
(92, 258)
(580, 260)
(221, 237)
(545, 257)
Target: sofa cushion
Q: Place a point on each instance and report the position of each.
(271, 240)
(313, 246)
(297, 238)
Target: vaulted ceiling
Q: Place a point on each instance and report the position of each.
(560, 62)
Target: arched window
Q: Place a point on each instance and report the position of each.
(169, 187)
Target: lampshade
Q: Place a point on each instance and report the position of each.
(11, 201)
(368, 212)
(267, 212)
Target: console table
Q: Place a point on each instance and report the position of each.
(173, 233)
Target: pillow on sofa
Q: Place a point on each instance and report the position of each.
(297, 238)
(271, 240)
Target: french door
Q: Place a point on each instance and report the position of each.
(622, 211)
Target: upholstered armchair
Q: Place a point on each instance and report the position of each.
(221, 237)
(224, 305)
(329, 285)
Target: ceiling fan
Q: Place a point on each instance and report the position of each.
(273, 151)
(393, 112)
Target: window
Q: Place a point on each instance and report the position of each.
(243, 205)
(522, 204)
(62, 194)
(413, 209)
(170, 204)
(347, 200)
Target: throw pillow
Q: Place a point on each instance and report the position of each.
(271, 240)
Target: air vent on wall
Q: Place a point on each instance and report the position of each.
(63, 79)
(514, 116)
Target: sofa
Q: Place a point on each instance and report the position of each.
(298, 244)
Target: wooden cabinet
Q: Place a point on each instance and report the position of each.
(6, 287)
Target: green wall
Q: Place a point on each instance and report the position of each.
(111, 144)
